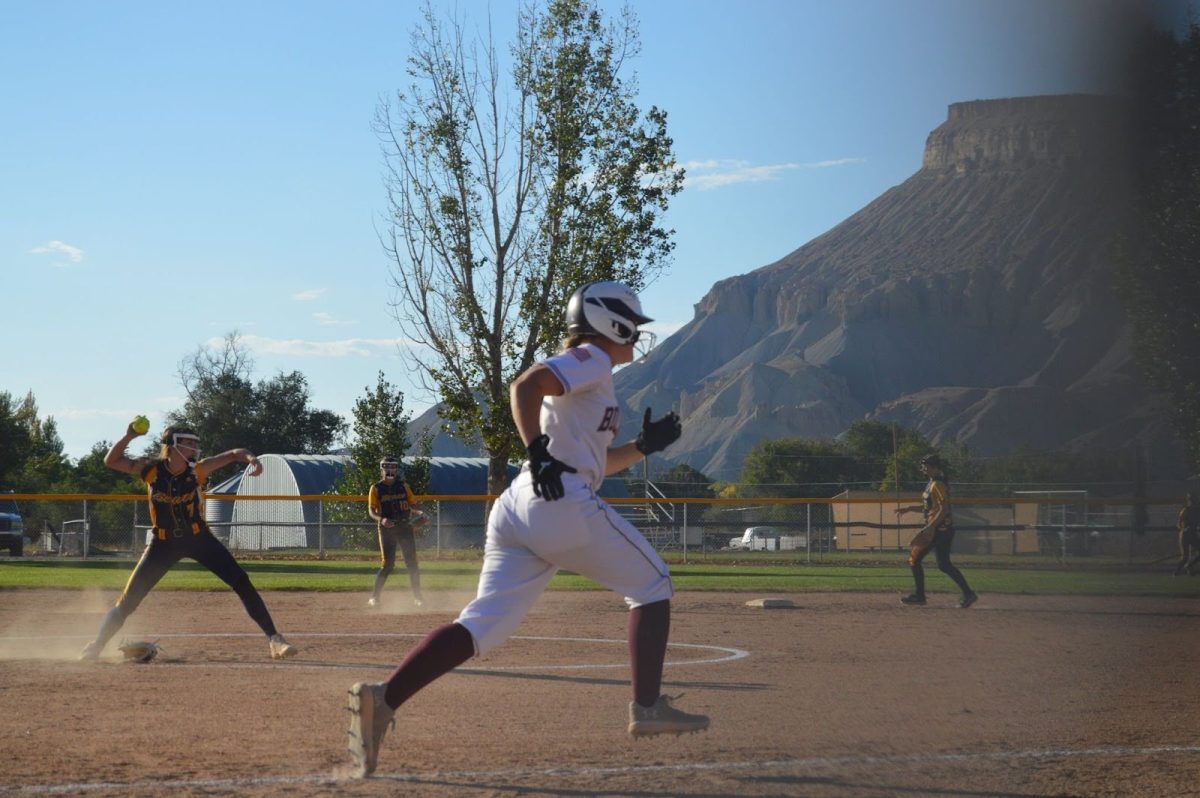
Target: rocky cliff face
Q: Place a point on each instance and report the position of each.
(973, 301)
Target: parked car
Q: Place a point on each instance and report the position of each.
(12, 527)
(754, 537)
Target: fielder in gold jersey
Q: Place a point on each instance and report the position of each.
(1189, 536)
(937, 535)
(174, 483)
(392, 505)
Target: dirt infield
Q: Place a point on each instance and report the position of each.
(844, 695)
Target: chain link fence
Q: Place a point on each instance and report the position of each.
(1054, 525)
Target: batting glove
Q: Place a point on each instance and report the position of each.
(658, 435)
(547, 472)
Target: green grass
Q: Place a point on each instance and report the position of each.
(879, 573)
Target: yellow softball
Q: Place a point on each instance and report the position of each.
(140, 424)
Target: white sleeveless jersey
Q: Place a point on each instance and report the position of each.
(583, 422)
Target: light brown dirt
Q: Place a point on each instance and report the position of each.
(844, 695)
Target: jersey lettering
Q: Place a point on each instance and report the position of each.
(611, 420)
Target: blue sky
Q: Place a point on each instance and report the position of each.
(172, 172)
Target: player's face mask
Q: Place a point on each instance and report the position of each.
(188, 447)
(643, 341)
(389, 471)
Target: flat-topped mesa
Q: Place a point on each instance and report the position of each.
(1025, 132)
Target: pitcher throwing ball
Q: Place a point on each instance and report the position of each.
(566, 411)
(174, 481)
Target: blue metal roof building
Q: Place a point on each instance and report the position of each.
(272, 524)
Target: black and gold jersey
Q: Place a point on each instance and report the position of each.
(394, 501)
(176, 500)
(936, 496)
(1189, 519)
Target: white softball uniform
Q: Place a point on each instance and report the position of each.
(529, 539)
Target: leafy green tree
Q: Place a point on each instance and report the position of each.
(1157, 256)
(795, 467)
(1030, 469)
(503, 200)
(872, 444)
(31, 451)
(111, 522)
(684, 482)
(418, 469)
(963, 468)
(380, 429)
(228, 410)
(911, 446)
(14, 442)
(285, 422)
(90, 475)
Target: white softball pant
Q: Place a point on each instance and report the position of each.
(529, 539)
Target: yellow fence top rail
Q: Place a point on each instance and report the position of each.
(881, 499)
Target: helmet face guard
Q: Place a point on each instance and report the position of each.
(175, 438)
(389, 466)
(608, 309)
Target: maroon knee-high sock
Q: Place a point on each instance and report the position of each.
(442, 650)
(649, 626)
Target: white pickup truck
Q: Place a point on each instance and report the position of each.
(766, 538)
(754, 537)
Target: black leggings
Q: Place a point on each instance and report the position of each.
(940, 547)
(1189, 552)
(205, 549)
(389, 537)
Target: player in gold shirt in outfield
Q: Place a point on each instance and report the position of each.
(937, 535)
(1189, 536)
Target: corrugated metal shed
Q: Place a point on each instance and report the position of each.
(284, 524)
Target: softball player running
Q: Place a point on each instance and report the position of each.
(937, 535)
(1188, 525)
(550, 517)
(391, 503)
(174, 482)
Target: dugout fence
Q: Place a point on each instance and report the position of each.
(1048, 524)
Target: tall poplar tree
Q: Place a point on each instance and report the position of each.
(510, 186)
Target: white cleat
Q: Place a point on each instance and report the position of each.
(370, 717)
(373, 602)
(282, 649)
(662, 718)
(90, 653)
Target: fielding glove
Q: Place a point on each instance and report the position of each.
(139, 650)
(547, 472)
(658, 435)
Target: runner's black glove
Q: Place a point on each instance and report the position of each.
(658, 435)
(547, 472)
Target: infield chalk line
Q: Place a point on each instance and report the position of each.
(730, 654)
(568, 772)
